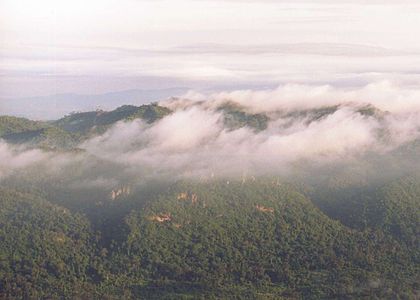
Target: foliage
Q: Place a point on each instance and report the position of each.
(49, 138)
(235, 117)
(45, 250)
(101, 120)
(10, 125)
(337, 235)
(254, 239)
(68, 132)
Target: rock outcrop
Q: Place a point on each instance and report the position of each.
(186, 196)
(123, 191)
(264, 209)
(164, 217)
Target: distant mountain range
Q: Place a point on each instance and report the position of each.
(54, 106)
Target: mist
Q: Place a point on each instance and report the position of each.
(310, 129)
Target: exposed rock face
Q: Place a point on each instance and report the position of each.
(123, 191)
(186, 196)
(161, 218)
(194, 198)
(264, 209)
(182, 196)
(276, 182)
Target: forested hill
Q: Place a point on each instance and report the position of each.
(211, 200)
(69, 131)
(258, 239)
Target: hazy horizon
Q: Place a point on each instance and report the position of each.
(209, 149)
(57, 47)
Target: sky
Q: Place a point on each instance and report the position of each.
(267, 56)
(91, 47)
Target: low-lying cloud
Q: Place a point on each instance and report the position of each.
(195, 140)
(13, 159)
(306, 126)
(384, 95)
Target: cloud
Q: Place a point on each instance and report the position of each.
(17, 159)
(309, 127)
(194, 140)
(14, 158)
(270, 42)
(384, 95)
(327, 49)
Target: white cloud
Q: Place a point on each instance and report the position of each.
(194, 140)
(385, 95)
(270, 42)
(13, 159)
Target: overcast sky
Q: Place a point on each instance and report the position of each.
(92, 46)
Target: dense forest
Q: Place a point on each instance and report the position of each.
(338, 236)
(256, 239)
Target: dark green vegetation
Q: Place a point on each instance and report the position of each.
(338, 236)
(49, 137)
(101, 120)
(235, 117)
(259, 239)
(10, 125)
(45, 249)
(68, 132)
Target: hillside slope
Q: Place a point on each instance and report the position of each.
(260, 239)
